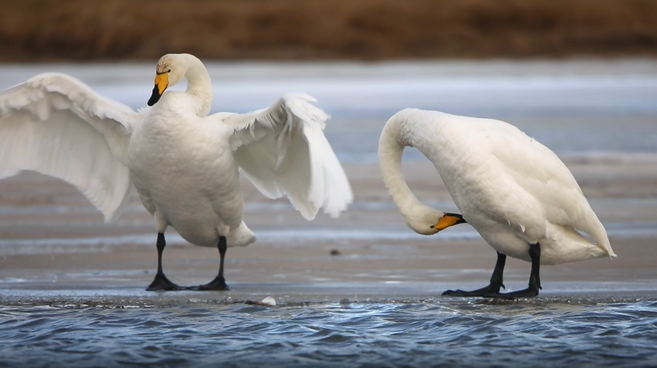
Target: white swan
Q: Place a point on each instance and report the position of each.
(513, 190)
(183, 163)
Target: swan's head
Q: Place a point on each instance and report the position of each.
(171, 69)
(428, 221)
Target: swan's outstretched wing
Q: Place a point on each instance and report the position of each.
(283, 150)
(56, 125)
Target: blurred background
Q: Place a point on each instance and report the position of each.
(80, 30)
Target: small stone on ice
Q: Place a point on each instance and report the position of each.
(268, 301)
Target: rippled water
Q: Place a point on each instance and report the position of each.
(400, 334)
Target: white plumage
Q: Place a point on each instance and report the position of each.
(512, 189)
(55, 125)
(183, 163)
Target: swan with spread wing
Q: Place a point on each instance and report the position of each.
(183, 162)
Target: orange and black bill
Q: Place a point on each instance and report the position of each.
(161, 84)
(449, 219)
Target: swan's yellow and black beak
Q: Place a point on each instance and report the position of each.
(161, 84)
(449, 219)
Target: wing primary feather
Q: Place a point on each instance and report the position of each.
(56, 125)
(287, 153)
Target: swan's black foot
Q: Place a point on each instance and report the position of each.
(161, 283)
(484, 291)
(534, 277)
(530, 292)
(219, 283)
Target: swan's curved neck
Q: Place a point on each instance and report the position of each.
(199, 84)
(391, 146)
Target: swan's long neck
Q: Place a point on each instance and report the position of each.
(199, 84)
(391, 146)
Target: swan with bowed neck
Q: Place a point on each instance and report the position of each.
(513, 190)
(183, 162)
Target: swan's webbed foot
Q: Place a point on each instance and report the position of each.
(495, 282)
(530, 292)
(534, 277)
(162, 283)
(492, 289)
(219, 283)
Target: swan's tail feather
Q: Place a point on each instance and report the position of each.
(589, 223)
(599, 235)
(565, 244)
(240, 237)
(580, 240)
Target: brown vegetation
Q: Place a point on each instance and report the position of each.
(38, 30)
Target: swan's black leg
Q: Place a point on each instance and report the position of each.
(495, 282)
(219, 283)
(161, 282)
(534, 277)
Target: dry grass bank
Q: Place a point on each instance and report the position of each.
(46, 30)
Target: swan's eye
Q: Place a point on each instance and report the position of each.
(432, 226)
(169, 71)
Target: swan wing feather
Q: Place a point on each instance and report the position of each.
(283, 151)
(56, 125)
(540, 173)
